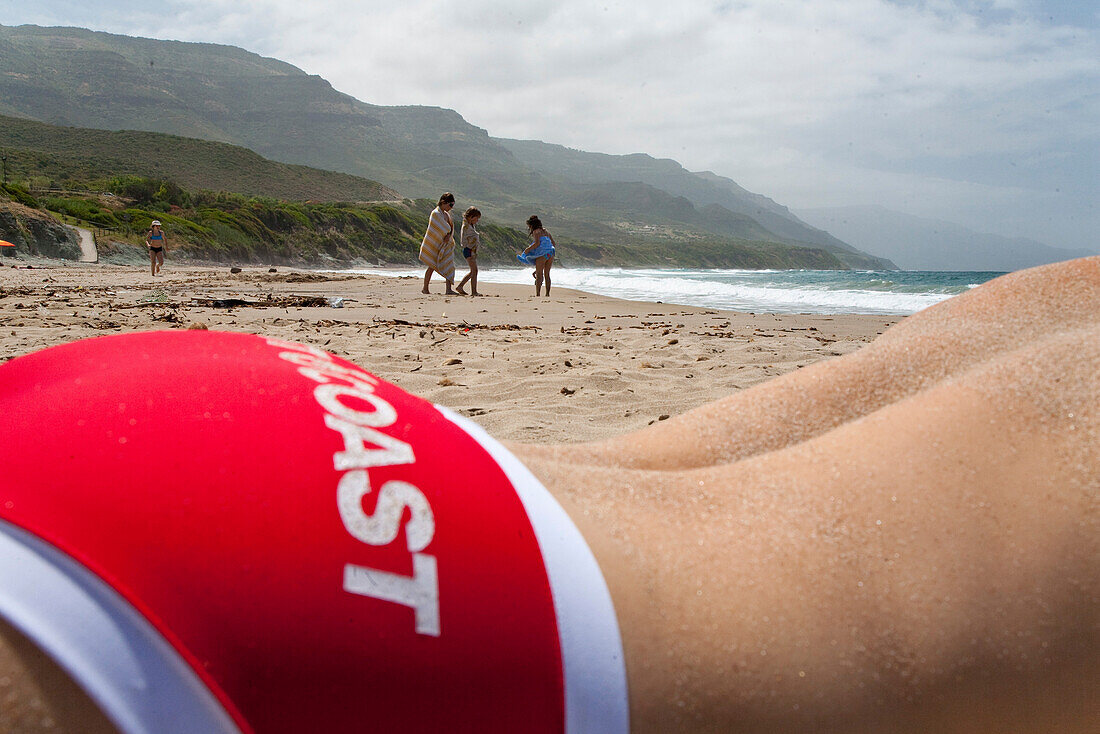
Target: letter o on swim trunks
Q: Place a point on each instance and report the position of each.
(329, 397)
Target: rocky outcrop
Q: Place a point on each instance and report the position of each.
(36, 233)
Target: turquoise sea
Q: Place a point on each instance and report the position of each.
(760, 291)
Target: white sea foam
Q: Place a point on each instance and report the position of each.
(762, 291)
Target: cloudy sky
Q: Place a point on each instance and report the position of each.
(981, 112)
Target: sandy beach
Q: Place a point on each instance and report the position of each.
(574, 367)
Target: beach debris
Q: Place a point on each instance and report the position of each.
(568, 363)
(663, 417)
(198, 326)
(157, 296)
(455, 327)
(567, 391)
(452, 360)
(234, 270)
(97, 324)
(227, 302)
(673, 341)
(336, 302)
(448, 382)
(272, 270)
(270, 302)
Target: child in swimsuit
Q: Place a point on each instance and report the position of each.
(471, 240)
(154, 240)
(539, 253)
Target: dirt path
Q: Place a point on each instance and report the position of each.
(88, 251)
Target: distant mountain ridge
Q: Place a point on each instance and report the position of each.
(706, 189)
(243, 207)
(917, 243)
(88, 154)
(83, 78)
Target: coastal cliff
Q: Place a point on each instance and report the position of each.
(36, 233)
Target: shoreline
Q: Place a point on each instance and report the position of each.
(515, 364)
(895, 293)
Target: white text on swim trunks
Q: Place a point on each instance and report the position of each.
(365, 446)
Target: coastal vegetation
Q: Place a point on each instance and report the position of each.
(230, 227)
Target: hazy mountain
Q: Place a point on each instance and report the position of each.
(721, 201)
(915, 243)
(81, 78)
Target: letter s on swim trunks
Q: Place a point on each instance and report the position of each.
(266, 538)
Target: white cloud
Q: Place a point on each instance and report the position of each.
(861, 101)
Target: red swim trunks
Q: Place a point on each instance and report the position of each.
(273, 540)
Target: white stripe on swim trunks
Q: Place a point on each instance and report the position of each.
(593, 668)
(110, 649)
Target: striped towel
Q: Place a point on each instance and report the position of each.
(437, 251)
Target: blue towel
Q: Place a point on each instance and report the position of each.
(545, 248)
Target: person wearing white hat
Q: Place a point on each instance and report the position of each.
(155, 241)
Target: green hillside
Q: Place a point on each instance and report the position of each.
(51, 155)
(81, 78)
(226, 227)
(148, 168)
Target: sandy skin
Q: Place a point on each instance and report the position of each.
(904, 539)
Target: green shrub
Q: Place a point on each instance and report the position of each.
(89, 211)
(20, 194)
(156, 193)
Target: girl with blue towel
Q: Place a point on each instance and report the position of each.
(540, 253)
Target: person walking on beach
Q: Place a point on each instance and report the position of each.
(154, 240)
(540, 253)
(471, 240)
(437, 251)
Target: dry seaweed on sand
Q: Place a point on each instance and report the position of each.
(274, 302)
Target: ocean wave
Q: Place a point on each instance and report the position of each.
(768, 291)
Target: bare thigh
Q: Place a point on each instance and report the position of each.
(933, 565)
(904, 539)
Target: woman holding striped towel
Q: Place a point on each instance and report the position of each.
(438, 248)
